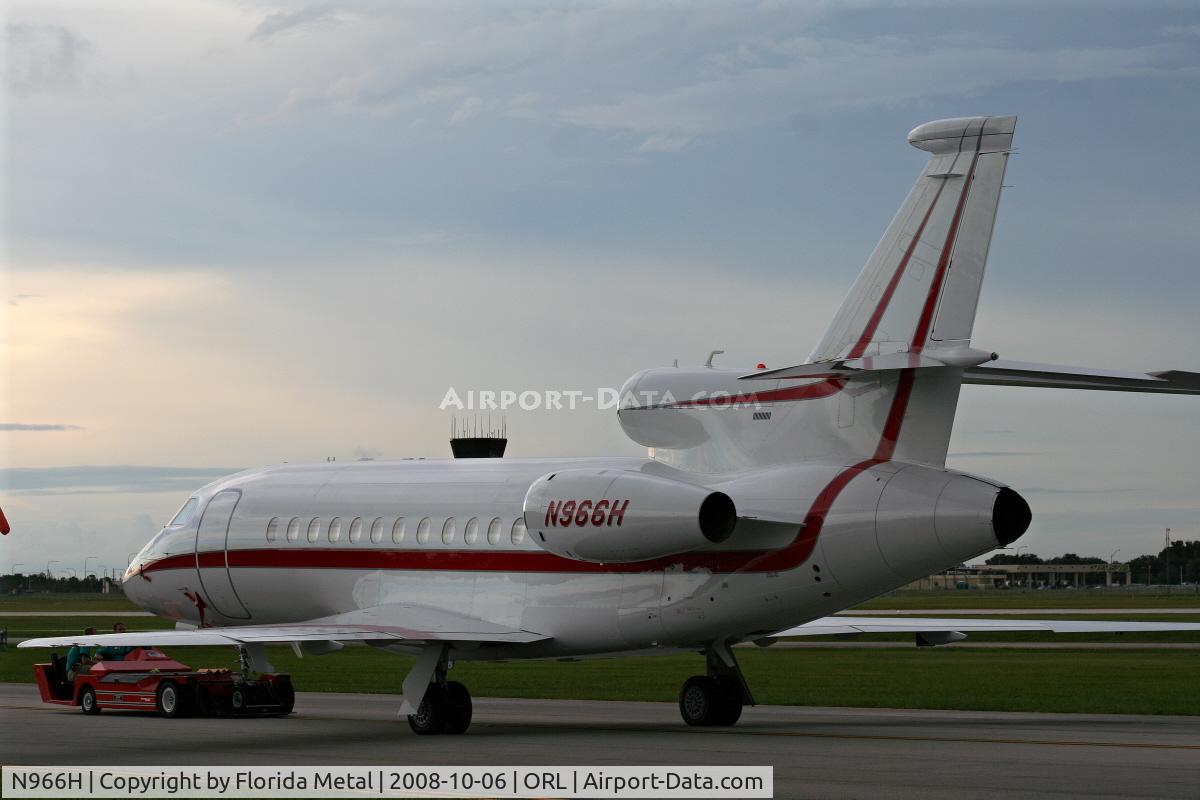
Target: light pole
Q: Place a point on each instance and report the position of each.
(50, 574)
(1112, 558)
(89, 558)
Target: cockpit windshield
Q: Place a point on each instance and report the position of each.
(186, 515)
(176, 538)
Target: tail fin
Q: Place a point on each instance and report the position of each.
(920, 288)
(883, 383)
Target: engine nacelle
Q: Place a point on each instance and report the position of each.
(609, 515)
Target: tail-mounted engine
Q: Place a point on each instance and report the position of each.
(607, 515)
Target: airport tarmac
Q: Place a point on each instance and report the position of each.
(816, 752)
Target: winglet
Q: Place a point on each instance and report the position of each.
(4, 529)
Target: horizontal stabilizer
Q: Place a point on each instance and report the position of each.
(853, 625)
(1054, 376)
(945, 357)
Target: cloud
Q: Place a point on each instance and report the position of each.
(42, 58)
(107, 479)
(470, 108)
(37, 426)
(774, 79)
(278, 22)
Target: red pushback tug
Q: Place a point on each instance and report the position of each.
(149, 679)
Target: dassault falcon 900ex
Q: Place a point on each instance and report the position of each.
(774, 498)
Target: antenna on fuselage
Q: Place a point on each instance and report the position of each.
(713, 355)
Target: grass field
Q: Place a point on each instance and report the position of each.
(66, 601)
(1129, 598)
(1081, 598)
(1124, 681)
(1138, 681)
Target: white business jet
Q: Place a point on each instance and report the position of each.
(774, 498)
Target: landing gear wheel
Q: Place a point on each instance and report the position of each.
(729, 703)
(458, 708)
(698, 700)
(170, 701)
(431, 715)
(705, 701)
(87, 701)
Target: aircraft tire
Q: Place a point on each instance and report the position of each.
(699, 700)
(458, 708)
(431, 715)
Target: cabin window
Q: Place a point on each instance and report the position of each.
(293, 531)
(472, 531)
(273, 529)
(355, 529)
(376, 530)
(493, 534)
(397, 530)
(423, 531)
(314, 529)
(518, 531)
(448, 531)
(335, 529)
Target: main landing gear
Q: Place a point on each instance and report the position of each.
(717, 697)
(445, 706)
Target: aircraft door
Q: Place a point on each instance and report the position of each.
(212, 558)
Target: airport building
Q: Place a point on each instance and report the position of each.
(1026, 576)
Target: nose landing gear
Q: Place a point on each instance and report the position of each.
(718, 697)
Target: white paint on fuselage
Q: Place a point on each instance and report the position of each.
(584, 612)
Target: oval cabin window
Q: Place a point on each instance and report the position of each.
(355, 529)
(398, 531)
(518, 531)
(335, 529)
(293, 531)
(423, 531)
(314, 529)
(471, 533)
(273, 529)
(448, 531)
(493, 534)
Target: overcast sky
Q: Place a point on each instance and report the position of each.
(238, 233)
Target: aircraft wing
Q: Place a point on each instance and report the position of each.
(382, 624)
(922, 625)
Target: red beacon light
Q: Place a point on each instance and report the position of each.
(761, 366)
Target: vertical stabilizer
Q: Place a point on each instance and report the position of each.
(920, 287)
